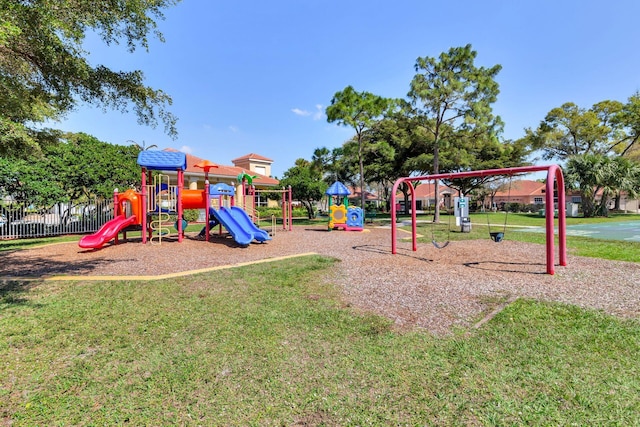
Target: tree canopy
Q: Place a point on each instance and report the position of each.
(454, 96)
(599, 146)
(607, 127)
(358, 110)
(45, 73)
(604, 176)
(79, 167)
(445, 125)
(306, 184)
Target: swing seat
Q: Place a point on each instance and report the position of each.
(440, 245)
(497, 236)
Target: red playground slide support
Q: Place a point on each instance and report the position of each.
(107, 232)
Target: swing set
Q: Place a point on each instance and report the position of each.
(496, 236)
(553, 173)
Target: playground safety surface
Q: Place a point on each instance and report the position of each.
(429, 288)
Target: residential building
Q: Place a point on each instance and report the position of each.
(523, 192)
(251, 164)
(425, 193)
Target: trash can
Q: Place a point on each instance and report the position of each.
(466, 224)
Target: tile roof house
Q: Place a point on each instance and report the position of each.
(356, 196)
(524, 192)
(425, 194)
(533, 193)
(255, 163)
(252, 164)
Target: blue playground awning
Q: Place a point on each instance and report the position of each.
(337, 189)
(162, 160)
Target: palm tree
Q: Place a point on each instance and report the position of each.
(595, 174)
(142, 147)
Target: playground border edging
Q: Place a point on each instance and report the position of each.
(148, 277)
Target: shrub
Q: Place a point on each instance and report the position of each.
(267, 212)
(191, 215)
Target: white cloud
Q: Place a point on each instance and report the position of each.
(299, 112)
(233, 129)
(319, 114)
(186, 149)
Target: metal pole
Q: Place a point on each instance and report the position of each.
(290, 209)
(179, 194)
(116, 209)
(144, 205)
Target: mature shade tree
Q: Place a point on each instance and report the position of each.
(608, 127)
(321, 159)
(306, 184)
(629, 120)
(453, 95)
(394, 149)
(634, 153)
(588, 139)
(480, 153)
(30, 182)
(72, 171)
(86, 166)
(80, 166)
(331, 165)
(45, 73)
(569, 130)
(358, 110)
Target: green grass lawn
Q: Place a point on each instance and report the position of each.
(268, 345)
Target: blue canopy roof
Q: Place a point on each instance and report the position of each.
(162, 160)
(337, 189)
(221, 189)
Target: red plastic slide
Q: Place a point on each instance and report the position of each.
(107, 232)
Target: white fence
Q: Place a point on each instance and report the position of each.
(19, 220)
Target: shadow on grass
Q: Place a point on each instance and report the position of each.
(37, 266)
(10, 293)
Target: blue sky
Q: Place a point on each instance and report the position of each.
(254, 76)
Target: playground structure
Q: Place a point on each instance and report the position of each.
(342, 216)
(553, 172)
(287, 206)
(151, 209)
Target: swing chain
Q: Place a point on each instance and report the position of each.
(499, 235)
(433, 225)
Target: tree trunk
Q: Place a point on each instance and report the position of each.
(309, 206)
(588, 208)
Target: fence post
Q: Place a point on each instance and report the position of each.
(116, 207)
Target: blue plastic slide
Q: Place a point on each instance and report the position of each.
(238, 223)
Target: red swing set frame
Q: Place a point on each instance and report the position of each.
(553, 172)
